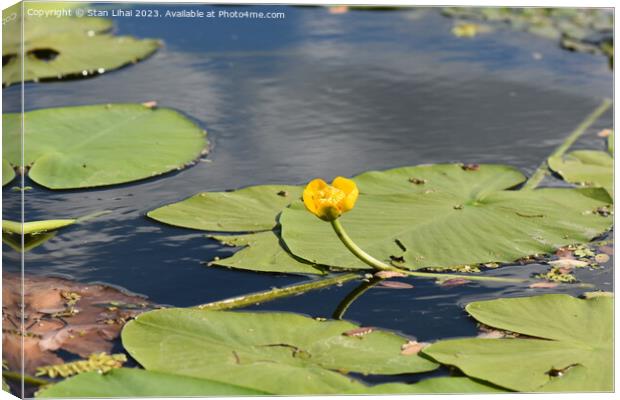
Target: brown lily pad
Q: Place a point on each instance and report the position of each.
(60, 314)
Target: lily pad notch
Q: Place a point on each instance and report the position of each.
(100, 145)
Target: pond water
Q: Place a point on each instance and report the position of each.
(313, 95)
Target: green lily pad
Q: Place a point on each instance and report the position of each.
(89, 146)
(447, 215)
(252, 209)
(456, 385)
(585, 167)
(571, 348)
(8, 173)
(35, 227)
(133, 382)
(35, 232)
(262, 251)
(57, 47)
(279, 353)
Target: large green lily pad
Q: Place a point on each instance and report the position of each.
(279, 353)
(262, 251)
(133, 382)
(88, 146)
(448, 215)
(572, 348)
(252, 209)
(8, 173)
(585, 167)
(57, 47)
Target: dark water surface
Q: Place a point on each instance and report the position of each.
(313, 95)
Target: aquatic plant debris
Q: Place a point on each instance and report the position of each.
(57, 48)
(575, 29)
(568, 334)
(61, 314)
(99, 362)
(69, 146)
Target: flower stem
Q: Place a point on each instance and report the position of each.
(16, 376)
(381, 266)
(276, 293)
(543, 169)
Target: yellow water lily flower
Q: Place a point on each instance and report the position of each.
(328, 202)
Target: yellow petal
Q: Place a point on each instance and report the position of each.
(349, 187)
(310, 193)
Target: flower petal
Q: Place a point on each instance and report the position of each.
(350, 188)
(310, 192)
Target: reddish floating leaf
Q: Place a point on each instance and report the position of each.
(604, 133)
(395, 285)
(61, 314)
(412, 347)
(389, 274)
(150, 104)
(454, 282)
(543, 285)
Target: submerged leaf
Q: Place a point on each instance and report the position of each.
(566, 332)
(61, 314)
(395, 285)
(543, 285)
(89, 146)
